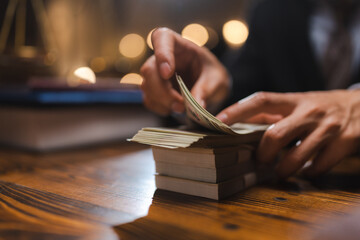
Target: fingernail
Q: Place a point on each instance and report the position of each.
(246, 98)
(271, 126)
(223, 117)
(177, 107)
(202, 103)
(165, 70)
(199, 99)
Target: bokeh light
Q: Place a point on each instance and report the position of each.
(27, 51)
(84, 74)
(132, 45)
(235, 32)
(148, 39)
(195, 33)
(132, 78)
(98, 64)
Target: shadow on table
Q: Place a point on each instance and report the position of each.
(178, 216)
(166, 218)
(344, 177)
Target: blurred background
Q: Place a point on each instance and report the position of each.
(111, 37)
(96, 47)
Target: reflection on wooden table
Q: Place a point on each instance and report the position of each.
(107, 192)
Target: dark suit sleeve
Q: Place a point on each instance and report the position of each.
(277, 55)
(248, 70)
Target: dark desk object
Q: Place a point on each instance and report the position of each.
(48, 114)
(55, 91)
(106, 192)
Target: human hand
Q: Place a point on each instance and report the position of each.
(202, 72)
(325, 124)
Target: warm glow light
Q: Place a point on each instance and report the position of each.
(148, 39)
(98, 64)
(85, 74)
(196, 33)
(132, 45)
(27, 52)
(132, 78)
(235, 32)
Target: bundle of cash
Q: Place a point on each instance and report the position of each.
(215, 129)
(201, 116)
(184, 138)
(213, 163)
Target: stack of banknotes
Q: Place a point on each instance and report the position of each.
(213, 160)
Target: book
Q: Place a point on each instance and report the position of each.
(56, 91)
(216, 191)
(203, 157)
(69, 97)
(55, 127)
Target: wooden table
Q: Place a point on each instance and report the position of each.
(109, 191)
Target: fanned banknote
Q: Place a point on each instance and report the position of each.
(218, 134)
(202, 117)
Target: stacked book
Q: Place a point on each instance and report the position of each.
(212, 161)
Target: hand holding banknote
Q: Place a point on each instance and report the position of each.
(325, 124)
(195, 64)
(202, 117)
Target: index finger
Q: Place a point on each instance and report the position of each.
(163, 40)
(169, 45)
(261, 102)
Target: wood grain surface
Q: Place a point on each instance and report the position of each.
(108, 192)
